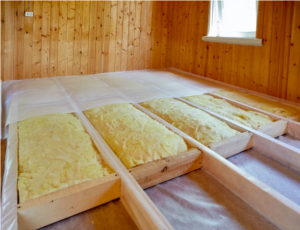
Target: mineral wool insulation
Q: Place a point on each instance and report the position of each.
(55, 152)
(251, 119)
(260, 103)
(133, 136)
(194, 122)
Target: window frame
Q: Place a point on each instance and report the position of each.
(233, 40)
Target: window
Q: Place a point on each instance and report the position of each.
(233, 20)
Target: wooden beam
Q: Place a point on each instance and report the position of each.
(64, 203)
(159, 171)
(293, 127)
(291, 156)
(274, 129)
(251, 190)
(233, 145)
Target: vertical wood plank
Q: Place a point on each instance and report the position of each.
(260, 19)
(206, 6)
(92, 38)
(77, 38)
(200, 43)
(234, 65)
(178, 34)
(119, 33)
(276, 38)
(62, 38)
(227, 63)
(149, 34)
(28, 36)
(267, 33)
(258, 50)
(45, 39)
(248, 66)
(9, 41)
(256, 68)
(210, 60)
(192, 34)
(221, 58)
(106, 29)
(142, 48)
(294, 64)
(164, 34)
(285, 49)
(112, 36)
(54, 30)
(170, 33)
(158, 42)
(137, 34)
(85, 37)
(241, 66)
(216, 57)
(130, 49)
(99, 39)
(37, 40)
(126, 18)
(70, 37)
(19, 40)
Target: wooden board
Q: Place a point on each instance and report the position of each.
(59, 205)
(233, 145)
(293, 128)
(267, 145)
(159, 171)
(272, 69)
(82, 37)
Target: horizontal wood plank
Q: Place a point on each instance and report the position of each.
(233, 145)
(64, 203)
(159, 171)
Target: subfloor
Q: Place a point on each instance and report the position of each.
(277, 176)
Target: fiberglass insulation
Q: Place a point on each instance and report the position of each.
(194, 122)
(251, 119)
(55, 152)
(260, 103)
(133, 136)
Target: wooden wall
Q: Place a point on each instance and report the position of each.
(86, 37)
(273, 69)
(82, 37)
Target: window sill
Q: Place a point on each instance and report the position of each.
(236, 41)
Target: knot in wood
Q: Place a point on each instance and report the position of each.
(165, 169)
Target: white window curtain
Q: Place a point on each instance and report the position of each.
(233, 18)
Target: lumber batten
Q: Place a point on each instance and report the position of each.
(233, 145)
(159, 171)
(293, 127)
(67, 202)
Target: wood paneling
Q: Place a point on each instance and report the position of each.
(86, 37)
(273, 69)
(81, 37)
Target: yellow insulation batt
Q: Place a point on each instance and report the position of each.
(55, 152)
(249, 118)
(194, 122)
(134, 136)
(260, 103)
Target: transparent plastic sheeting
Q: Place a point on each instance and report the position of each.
(263, 198)
(9, 190)
(35, 97)
(29, 98)
(138, 204)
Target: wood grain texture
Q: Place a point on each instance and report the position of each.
(273, 69)
(86, 37)
(81, 37)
